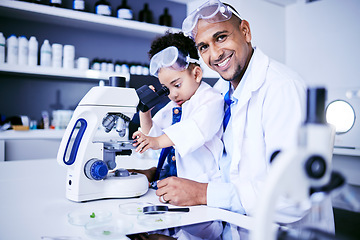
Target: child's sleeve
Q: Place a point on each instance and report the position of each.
(203, 124)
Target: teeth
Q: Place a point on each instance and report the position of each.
(224, 62)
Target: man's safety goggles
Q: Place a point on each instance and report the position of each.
(212, 11)
(170, 57)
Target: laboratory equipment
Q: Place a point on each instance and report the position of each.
(302, 174)
(162, 209)
(96, 134)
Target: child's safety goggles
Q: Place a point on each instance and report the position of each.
(170, 57)
(212, 11)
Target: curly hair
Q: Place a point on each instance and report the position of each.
(179, 40)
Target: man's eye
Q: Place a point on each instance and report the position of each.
(221, 38)
(202, 48)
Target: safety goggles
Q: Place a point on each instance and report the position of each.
(212, 11)
(170, 57)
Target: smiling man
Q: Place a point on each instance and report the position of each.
(263, 112)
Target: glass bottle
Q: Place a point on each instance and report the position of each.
(79, 5)
(165, 19)
(103, 7)
(124, 11)
(56, 3)
(145, 15)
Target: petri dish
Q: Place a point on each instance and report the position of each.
(114, 229)
(83, 216)
(133, 208)
(159, 221)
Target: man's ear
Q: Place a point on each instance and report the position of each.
(245, 29)
(197, 71)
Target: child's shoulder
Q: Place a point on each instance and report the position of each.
(206, 90)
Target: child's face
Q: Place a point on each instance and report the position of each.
(182, 84)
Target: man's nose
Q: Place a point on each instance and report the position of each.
(215, 53)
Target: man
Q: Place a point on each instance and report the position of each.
(267, 108)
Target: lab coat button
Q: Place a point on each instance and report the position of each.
(173, 158)
(176, 111)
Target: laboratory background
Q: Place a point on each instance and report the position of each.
(38, 92)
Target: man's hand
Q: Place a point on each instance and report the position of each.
(181, 191)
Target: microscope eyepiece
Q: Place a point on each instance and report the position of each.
(315, 111)
(149, 98)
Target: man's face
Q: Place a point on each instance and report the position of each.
(225, 47)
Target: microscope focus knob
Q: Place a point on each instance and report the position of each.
(315, 167)
(96, 169)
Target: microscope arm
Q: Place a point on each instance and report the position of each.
(286, 170)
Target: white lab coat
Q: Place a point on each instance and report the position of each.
(197, 137)
(266, 118)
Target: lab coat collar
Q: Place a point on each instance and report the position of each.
(253, 78)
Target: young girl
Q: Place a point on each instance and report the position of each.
(196, 138)
(189, 126)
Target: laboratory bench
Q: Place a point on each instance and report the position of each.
(33, 203)
(31, 144)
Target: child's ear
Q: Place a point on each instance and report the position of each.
(197, 73)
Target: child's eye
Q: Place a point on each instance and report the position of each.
(177, 85)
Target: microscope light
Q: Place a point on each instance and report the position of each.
(341, 114)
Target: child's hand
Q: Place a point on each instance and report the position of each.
(143, 142)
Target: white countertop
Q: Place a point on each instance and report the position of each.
(32, 134)
(33, 203)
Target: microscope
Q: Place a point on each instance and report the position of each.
(96, 134)
(302, 175)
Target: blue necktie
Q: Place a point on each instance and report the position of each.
(168, 153)
(227, 115)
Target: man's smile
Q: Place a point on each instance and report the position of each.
(224, 63)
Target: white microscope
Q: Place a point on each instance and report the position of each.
(96, 134)
(302, 174)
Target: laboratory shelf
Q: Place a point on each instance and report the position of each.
(85, 20)
(59, 72)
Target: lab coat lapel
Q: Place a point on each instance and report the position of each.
(254, 80)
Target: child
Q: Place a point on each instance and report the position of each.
(189, 126)
(196, 138)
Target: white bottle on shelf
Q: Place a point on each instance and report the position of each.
(57, 54)
(33, 51)
(69, 57)
(23, 50)
(2, 48)
(45, 54)
(12, 45)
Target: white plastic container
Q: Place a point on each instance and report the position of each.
(12, 45)
(110, 67)
(69, 57)
(33, 51)
(23, 50)
(2, 48)
(57, 54)
(83, 63)
(45, 54)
